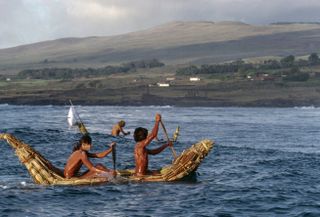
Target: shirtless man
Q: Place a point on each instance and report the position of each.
(81, 156)
(141, 152)
(116, 129)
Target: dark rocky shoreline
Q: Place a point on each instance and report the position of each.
(179, 102)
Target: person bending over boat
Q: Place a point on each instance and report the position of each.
(141, 152)
(118, 128)
(81, 156)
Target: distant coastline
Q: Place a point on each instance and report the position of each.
(280, 103)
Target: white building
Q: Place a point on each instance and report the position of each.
(194, 79)
(163, 85)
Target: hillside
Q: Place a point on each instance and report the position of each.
(172, 43)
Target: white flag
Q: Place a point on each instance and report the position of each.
(71, 117)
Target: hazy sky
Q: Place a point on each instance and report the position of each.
(28, 21)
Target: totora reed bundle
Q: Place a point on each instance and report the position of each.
(43, 172)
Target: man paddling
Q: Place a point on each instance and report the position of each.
(81, 155)
(141, 152)
(118, 128)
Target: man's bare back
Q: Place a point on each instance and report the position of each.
(141, 152)
(118, 128)
(74, 163)
(81, 157)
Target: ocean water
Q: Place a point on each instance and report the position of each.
(265, 162)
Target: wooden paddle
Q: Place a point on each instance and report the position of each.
(114, 158)
(165, 132)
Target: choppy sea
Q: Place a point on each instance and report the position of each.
(266, 162)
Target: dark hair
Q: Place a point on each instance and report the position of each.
(84, 139)
(140, 134)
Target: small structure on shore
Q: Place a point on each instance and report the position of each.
(261, 77)
(170, 78)
(163, 84)
(194, 79)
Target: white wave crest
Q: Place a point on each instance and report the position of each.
(306, 107)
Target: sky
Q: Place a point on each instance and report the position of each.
(30, 21)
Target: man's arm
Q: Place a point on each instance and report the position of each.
(158, 150)
(102, 154)
(88, 163)
(122, 131)
(152, 135)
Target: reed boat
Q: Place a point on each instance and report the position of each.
(44, 173)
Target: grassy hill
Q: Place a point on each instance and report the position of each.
(124, 69)
(172, 43)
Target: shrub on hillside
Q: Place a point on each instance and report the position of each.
(313, 59)
(190, 70)
(69, 73)
(287, 61)
(152, 63)
(297, 77)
